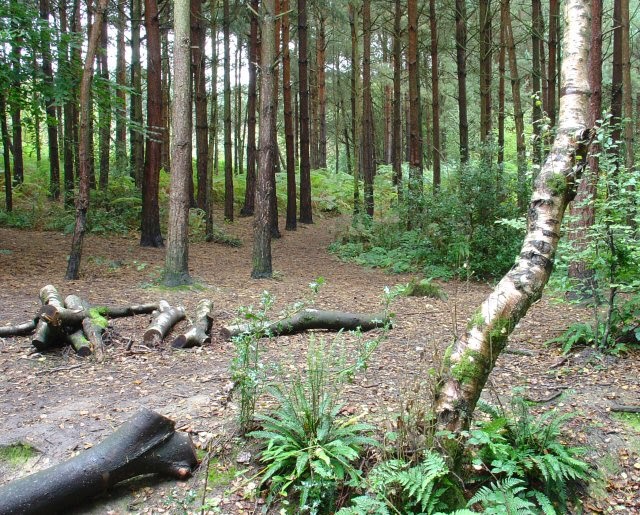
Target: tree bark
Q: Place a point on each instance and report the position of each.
(396, 152)
(177, 257)
(6, 154)
(121, 96)
(502, 71)
(198, 333)
(92, 330)
(552, 73)
(368, 143)
(46, 334)
(435, 95)
(415, 129)
(228, 151)
(627, 94)
(306, 215)
(252, 97)
(311, 319)
(262, 266)
(486, 53)
(64, 65)
(104, 106)
(469, 361)
(287, 104)
(356, 106)
(16, 94)
(136, 138)
(461, 67)
(146, 443)
(536, 36)
(321, 46)
(82, 199)
(151, 235)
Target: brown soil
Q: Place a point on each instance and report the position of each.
(61, 404)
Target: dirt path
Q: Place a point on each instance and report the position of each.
(61, 404)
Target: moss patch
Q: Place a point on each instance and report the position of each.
(557, 184)
(17, 454)
(424, 288)
(96, 314)
(500, 332)
(631, 420)
(220, 475)
(472, 365)
(477, 320)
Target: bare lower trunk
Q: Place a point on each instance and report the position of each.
(469, 361)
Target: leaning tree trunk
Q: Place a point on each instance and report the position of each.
(146, 443)
(82, 200)
(470, 359)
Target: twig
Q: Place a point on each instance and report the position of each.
(58, 369)
(544, 400)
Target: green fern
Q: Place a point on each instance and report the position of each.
(504, 497)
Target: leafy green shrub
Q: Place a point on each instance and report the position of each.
(423, 288)
(310, 451)
(511, 496)
(516, 444)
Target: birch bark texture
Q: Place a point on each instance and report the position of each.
(177, 257)
(470, 359)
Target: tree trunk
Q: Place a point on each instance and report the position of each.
(306, 215)
(121, 96)
(146, 443)
(469, 361)
(50, 108)
(415, 130)
(501, 93)
(16, 105)
(6, 154)
(311, 319)
(435, 95)
(397, 98)
(292, 208)
(212, 158)
(177, 257)
(198, 333)
(82, 199)
(262, 267)
(228, 152)
(536, 36)
(136, 139)
(67, 142)
(582, 210)
(104, 105)
(165, 153)
(151, 235)
(356, 107)
(485, 69)
(368, 150)
(518, 114)
(461, 67)
(273, 211)
(252, 96)
(552, 73)
(627, 94)
(321, 46)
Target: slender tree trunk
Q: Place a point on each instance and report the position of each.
(262, 267)
(273, 212)
(501, 93)
(68, 110)
(16, 108)
(228, 151)
(104, 105)
(150, 234)
(356, 107)
(368, 151)
(212, 159)
(292, 207)
(252, 49)
(6, 154)
(396, 152)
(50, 108)
(198, 63)
(165, 153)
(518, 114)
(627, 94)
(177, 257)
(136, 139)
(306, 216)
(469, 361)
(82, 199)
(76, 71)
(461, 67)
(313, 112)
(552, 73)
(582, 210)
(121, 97)
(96, 64)
(321, 46)
(415, 132)
(536, 35)
(485, 69)
(435, 95)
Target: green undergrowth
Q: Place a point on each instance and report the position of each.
(17, 454)
(631, 420)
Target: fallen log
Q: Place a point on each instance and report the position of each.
(22, 329)
(74, 317)
(309, 319)
(162, 323)
(79, 342)
(92, 326)
(146, 443)
(198, 333)
(619, 408)
(46, 335)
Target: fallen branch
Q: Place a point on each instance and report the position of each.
(166, 318)
(46, 335)
(22, 329)
(198, 333)
(146, 443)
(74, 317)
(92, 326)
(625, 409)
(310, 319)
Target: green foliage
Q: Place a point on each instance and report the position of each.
(16, 454)
(424, 288)
(509, 497)
(451, 233)
(580, 333)
(310, 451)
(514, 444)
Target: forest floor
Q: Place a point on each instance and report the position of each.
(61, 404)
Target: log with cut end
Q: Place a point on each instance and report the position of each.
(162, 323)
(310, 319)
(92, 326)
(146, 443)
(79, 342)
(45, 334)
(198, 333)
